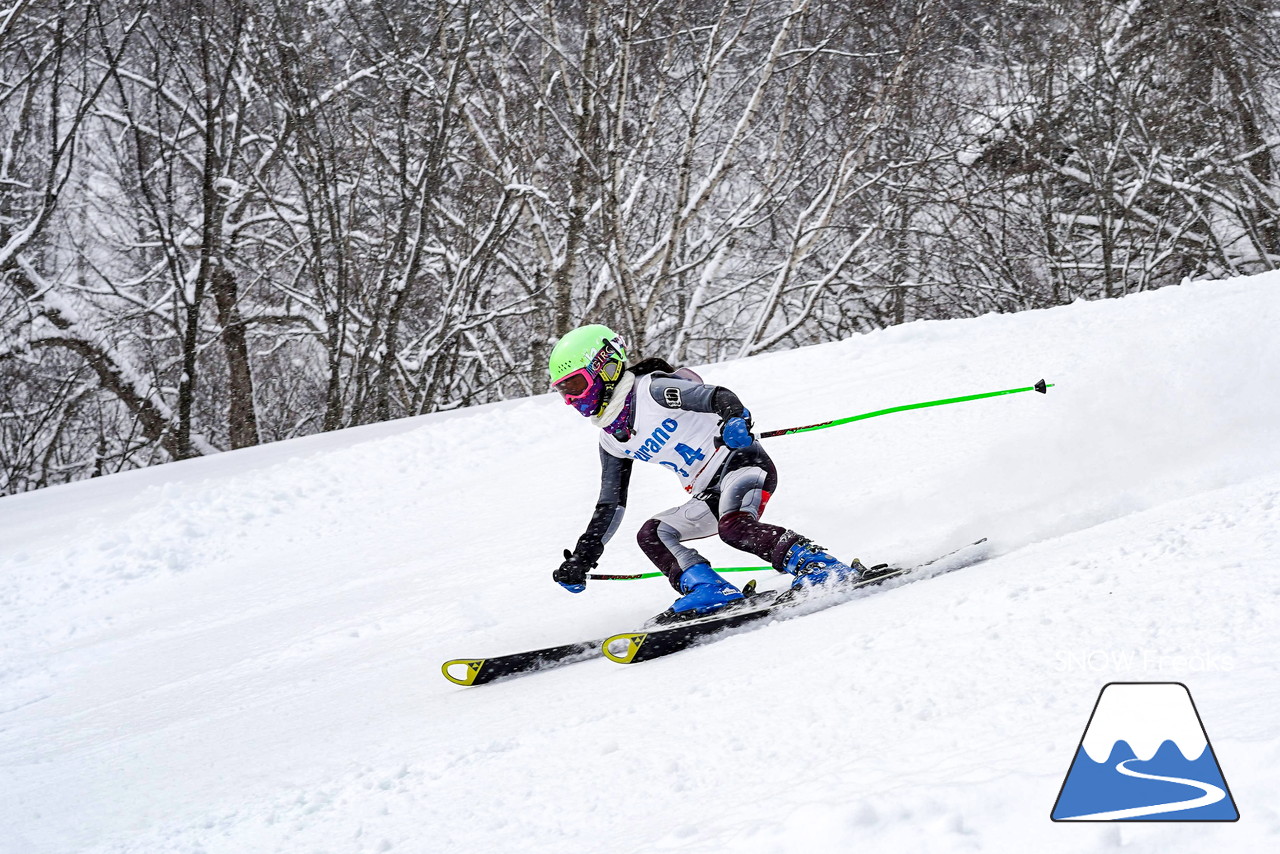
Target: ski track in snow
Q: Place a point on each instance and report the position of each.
(1209, 794)
(241, 653)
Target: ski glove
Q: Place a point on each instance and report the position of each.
(572, 574)
(736, 431)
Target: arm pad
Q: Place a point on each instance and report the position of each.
(615, 481)
(677, 393)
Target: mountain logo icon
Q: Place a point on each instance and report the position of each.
(1145, 756)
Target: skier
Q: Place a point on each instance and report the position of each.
(657, 414)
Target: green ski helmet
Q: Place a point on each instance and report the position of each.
(585, 366)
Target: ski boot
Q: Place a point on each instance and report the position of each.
(812, 565)
(705, 592)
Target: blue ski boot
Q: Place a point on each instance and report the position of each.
(812, 565)
(704, 592)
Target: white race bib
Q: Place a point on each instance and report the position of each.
(677, 439)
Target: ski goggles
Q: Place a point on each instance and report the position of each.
(578, 384)
(575, 386)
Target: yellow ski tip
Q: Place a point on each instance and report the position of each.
(468, 677)
(623, 648)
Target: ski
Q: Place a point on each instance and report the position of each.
(645, 645)
(662, 640)
(481, 671)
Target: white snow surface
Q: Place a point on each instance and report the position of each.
(242, 653)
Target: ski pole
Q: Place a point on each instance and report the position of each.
(595, 576)
(1041, 387)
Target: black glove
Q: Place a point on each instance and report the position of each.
(572, 574)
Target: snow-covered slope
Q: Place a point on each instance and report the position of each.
(241, 653)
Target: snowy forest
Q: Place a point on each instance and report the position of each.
(226, 222)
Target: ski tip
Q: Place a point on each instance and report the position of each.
(470, 670)
(622, 649)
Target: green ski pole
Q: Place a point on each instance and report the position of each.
(1041, 387)
(595, 576)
